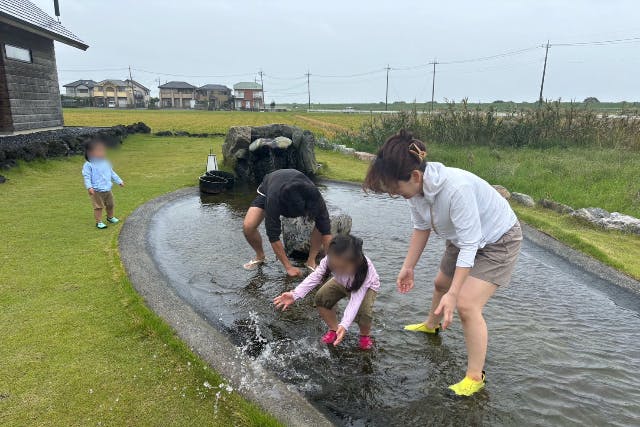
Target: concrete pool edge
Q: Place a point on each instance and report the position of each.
(273, 395)
(582, 260)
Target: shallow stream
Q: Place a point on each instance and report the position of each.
(564, 345)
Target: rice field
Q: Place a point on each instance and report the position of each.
(196, 121)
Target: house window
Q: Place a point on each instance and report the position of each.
(83, 90)
(17, 53)
(239, 94)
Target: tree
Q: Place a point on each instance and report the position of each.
(591, 100)
(273, 105)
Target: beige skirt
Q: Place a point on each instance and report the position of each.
(494, 263)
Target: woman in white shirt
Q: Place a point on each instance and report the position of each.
(482, 233)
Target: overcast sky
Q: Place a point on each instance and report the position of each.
(234, 39)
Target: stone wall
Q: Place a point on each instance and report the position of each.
(61, 142)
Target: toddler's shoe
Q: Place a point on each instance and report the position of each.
(366, 342)
(101, 225)
(422, 327)
(467, 386)
(113, 220)
(329, 337)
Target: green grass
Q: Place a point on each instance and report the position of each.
(77, 345)
(615, 249)
(580, 177)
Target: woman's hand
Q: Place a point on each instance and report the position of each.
(446, 308)
(340, 333)
(284, 301)
(405, 280)
(91, 191)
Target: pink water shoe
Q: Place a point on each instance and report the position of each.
(366, 342)
(329, 337)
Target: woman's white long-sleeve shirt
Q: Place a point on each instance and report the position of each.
(462, 208)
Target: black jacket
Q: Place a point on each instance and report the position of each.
(291, 194)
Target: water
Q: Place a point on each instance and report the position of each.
(563, 347)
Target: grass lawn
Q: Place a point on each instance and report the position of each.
(77, 345)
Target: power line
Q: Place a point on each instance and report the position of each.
(193, 76)
(600, 42)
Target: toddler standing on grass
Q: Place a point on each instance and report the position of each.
(98, 177)
(344, 272)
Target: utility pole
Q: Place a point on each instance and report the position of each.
(308, 91)
(262, 87)
(386, 95)
(544, 72)
(433, 85)
(133, 94)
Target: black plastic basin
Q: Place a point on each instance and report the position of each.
(231, 178)
(213, 184)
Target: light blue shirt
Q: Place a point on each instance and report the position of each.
(98, 174)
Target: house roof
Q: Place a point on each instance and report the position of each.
(137, 84)
(87, 83)
(177, 85)
(247, 86)
(29, 17)
(214, 87)
(115, 82)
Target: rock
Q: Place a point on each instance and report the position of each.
(282, 142)
(296, 232)
(256, 151)
(164, 133)
(590, 214)
(620, 222)
(364, 156)
(181, 133)
(523, 199)
(503, 191)
(238, 138)
(2, 179)
(555, 206)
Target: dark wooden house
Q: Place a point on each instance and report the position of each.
(29, 90)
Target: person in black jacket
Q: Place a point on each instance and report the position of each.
(288, 193)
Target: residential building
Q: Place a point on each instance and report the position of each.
(120, 94)
(248, 96)
(177, 95)
(80, 88)
(214, 97)
(29, 91)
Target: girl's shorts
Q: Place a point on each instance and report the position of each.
(332, 292)
(494, 263)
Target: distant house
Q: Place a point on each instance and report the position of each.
(80, 88)
(214, 97)
(248, 96)
(120, 94)
(177, 95)
(29, 91)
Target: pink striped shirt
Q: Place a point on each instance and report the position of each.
(372, 281)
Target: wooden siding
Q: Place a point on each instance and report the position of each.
(32, 88)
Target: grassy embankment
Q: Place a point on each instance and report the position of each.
(78, 345)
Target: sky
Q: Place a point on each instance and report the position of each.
(346, 45)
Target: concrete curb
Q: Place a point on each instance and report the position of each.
(249, 378)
